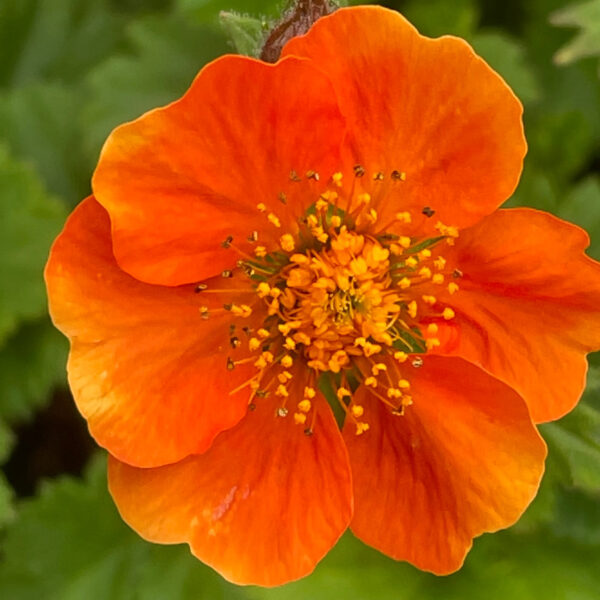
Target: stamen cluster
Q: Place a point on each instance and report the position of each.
(354, 302)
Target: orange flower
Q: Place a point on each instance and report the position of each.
(327, 222)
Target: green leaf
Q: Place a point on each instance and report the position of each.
(586, 17)
(7, 504)
(575, 439)
(54, 39)
(247, 34)
(40, 123)
(30, 221)
(507, 56)
(167, 54)
(7, 510)
(208, 9)
(440, 17)
(69, 543)
(582, 206)
(32, 363)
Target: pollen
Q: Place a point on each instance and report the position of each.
(304, 405)
(242, 310)
(404, 217)
(337, 179)
(287, 361)
(453, 287)
(263, 289)
(261, 207)
(361, 428)
(309, 392)
(448, 314)
(411, 262)
(357, 410)
(299, 418)
(273, 219)
(287, 242)
(260, 251)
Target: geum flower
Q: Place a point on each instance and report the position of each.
(327, 222)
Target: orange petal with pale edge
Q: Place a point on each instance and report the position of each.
(181, 179)
(262, 506)
(428, 107)
(464, 459)
(146, 371)
(528, 306)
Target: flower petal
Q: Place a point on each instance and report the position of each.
(181, 179)
(528, 306)
(262, 506)
(464, 459)
(430, 108)
(147, 372)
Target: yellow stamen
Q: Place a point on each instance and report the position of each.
(448, 313)
(304, 405)
(287, 242)
(274, 219)
(357, 410)
(299, 418)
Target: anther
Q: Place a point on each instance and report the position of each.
(428, 211)
(200, 288)
(204, 312)
(294, 176)
(282, 411)
(312, 175)
(417, 362)
(448, 313)
(235, 342)
(299, 418)
(357, 410)
(457, 273)
(287, 242)
(253, 237)
(226, 243)
(227, 274)
(282, 198)
(378, 176)
(273, 219)
(398, 175)
(304, 405)
(359, 171)
(230, 364)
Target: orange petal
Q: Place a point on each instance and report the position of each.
(430, 108)
(147, 372)
(528, 306)
(181, 179)
(262, 506)
(464, 459)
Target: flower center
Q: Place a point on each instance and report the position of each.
(346, 298)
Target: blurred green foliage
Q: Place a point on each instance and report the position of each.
(71, 70)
